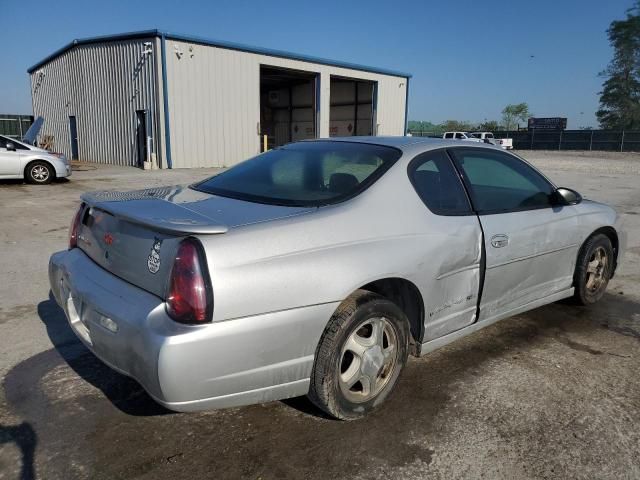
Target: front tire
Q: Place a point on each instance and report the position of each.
(40, 173)
(593, 269)
(360, 356)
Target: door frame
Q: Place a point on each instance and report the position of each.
(142, 148)
(73, 139)
(314, 78)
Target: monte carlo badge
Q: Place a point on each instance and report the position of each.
(153, 260)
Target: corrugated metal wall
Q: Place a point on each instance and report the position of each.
(214, 101)
(102, 85)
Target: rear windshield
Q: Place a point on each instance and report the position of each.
(304, 174)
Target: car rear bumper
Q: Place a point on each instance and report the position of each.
(185, 367)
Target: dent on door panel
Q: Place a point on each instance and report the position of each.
(452, 294)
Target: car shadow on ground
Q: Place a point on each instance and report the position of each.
(124, 392)
(25, 438)
(17, 181)
(21, 182)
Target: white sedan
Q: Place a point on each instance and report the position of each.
(36, 165)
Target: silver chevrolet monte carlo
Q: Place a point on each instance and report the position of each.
(317, 267)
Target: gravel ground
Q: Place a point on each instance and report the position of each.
(566, 161)
(549, 394)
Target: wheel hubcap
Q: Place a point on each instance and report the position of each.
(597, 270)
(368, 360)
(40, 173)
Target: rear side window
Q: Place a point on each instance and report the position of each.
(438, 185)
(448, 135)
(499, 182)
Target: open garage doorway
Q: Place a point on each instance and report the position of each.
(353, 107)
(288, 106)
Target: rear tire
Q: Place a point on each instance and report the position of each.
(360, 356)
(593, 269)
(39, 173)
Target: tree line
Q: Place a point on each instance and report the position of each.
(512, 115)
(620, 96)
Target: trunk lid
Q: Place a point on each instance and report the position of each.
(135, 235)
(31, 134)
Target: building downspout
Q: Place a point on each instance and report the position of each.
(406, 109)
(165, 99)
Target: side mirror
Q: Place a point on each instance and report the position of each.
(566, 196)
(10, 147)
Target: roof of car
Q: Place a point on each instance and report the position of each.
(395, 141)
(398, 141)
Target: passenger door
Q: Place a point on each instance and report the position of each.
(530, 252)
(449, 271)
(10, 163)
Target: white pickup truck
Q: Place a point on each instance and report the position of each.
(461, 136)
(506, 143)
(480, 137)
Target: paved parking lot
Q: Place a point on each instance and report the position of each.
(553, 393)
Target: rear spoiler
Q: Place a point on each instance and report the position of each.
(154, 213)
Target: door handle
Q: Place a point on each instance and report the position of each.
(499, 241)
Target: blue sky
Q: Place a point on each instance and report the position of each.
(468, 58)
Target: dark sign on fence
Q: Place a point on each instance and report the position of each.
(551, 123)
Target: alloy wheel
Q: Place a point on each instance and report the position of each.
(40, 173)
(368, 359)
(597, 270)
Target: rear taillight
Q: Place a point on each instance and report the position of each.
(75, 227)
(190, 296)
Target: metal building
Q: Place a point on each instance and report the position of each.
(182, 101)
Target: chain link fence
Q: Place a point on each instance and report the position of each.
(600, 140)
(15, 126)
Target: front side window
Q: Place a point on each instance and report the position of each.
(304, 174)
(438, 185)
(4, 141)
(459, 135)
(499, 182)
(16, 145)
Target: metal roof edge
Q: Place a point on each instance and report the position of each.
(220, 44)
(89, 40)
(282, 54)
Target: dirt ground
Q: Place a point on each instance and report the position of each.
(553, 393)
